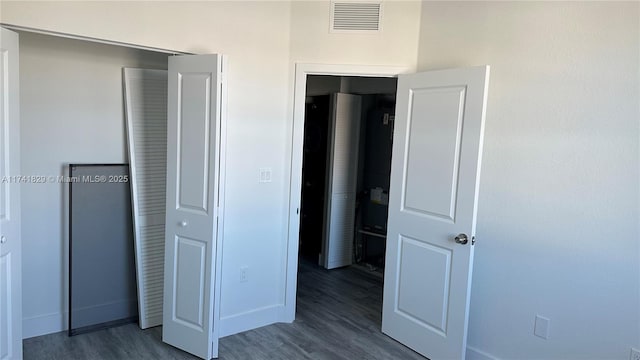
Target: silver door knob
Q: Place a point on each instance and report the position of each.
(462, 239)
(183, 223)
(3, 240)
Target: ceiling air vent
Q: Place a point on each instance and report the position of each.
(356, 16)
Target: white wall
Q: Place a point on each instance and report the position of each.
(263, 40)
(71, 112)
(397, 44)
(559, 201)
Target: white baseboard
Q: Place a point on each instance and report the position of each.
(250, 320)
(476, 354)
(44, 324)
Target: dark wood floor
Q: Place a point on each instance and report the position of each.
(338, 317)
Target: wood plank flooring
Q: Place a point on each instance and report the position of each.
(338, 317)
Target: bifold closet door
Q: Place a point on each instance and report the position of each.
(10, 241)
(146, 110)
(192, 251)
(342, 175)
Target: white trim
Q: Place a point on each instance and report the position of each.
(253, 319)
(44, 324)
(92, 39)
(297, 137)
(222, 175)
(476, 354)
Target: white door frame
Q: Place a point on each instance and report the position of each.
(297, 142)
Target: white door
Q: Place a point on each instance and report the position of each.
(10, 244)
(192, 256)
(435, 173)
(342, 175)
(146, 109)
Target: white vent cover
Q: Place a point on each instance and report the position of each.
(356, 16)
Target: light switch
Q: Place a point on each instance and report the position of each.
(541, 328)
(265, 175)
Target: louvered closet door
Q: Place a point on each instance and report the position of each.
(146, 104)
(342, 177)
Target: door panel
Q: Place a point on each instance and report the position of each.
(10, 241)
(192, 259)
(434, 182)
(432, 169)
(189, 277)
(194, 104)
(426, 305)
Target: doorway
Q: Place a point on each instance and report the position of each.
(346, 168)
(348, 133)
(333, 73)
(432, 208)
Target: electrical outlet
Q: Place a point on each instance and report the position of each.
(244, 274)
(635, 354)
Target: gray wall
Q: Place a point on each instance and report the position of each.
(71, 112)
